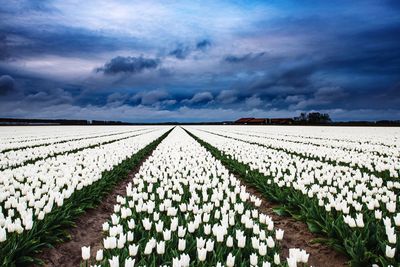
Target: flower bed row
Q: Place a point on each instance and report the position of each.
(21, 157)
(184, 208)
(44, 204)
(375, 162)
(358, 216)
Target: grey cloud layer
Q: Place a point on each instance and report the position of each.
(128, 65)
(285, 57)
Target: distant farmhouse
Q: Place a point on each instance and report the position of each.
(265, 121)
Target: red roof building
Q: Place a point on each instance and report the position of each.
(243, 120)
(261, 121)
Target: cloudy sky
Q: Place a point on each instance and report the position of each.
(199, 60)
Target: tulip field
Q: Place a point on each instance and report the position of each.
(48, 180)
(343, 182)
(187, 203)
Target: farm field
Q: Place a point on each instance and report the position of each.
(198, 195)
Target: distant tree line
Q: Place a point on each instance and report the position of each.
(313, 118)
(11, 121)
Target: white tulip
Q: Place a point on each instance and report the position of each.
(130, 236)
(210, 245)
(86, 253)
(146, 224)
(262, 249)
(279, 234)
(114, 262)
(391, 207)
(161, 247)
(253, 259)
(207, 229)
(185, 260)
(159, 226)
(3, 234)
(397, 219)
(181, 231)
(378, 214)
(359, 220)
(230, 260)
(129, 262)
(390, 251)
(99, 255)
(241, 241)
(270, 242)
(181, 244)
(277, 259)
(131, 224)
(106, 226)
(229, 241)
(202, 254)
(133, 249)
(148, 248)
(292, 262)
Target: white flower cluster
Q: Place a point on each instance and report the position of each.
(30, 192)
(20, 156)
(13, 138)
(384, 156)
(349, 192)
(184, 208)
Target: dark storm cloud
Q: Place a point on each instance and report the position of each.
(128, 65)
(56, 96)
(3, 47)
(227, 96)
(199, 98)
(58, 40)
(393, 4)
(6, 84)
(322, 97)
(16, 7)
(292, 77)
(243, 58)
(373, 51)
(203, 45)
(150, 97)
(181, 52)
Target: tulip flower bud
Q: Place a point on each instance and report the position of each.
(253, 259)
(277, 259)
(202, 254)
(133, 249)
(279, 234)
(181, 244)
(390, 251)
(129, 262)
(230, 261)
(99, 255)
(85, 253)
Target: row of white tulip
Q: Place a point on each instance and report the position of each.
(30, 192)
(384, 136)
(183, 208)
(344, 190)
(15, 138)
(378, 160)
(376, 140)
(18, 157)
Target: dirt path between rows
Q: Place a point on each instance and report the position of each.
(88, 230)
(297, 235)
